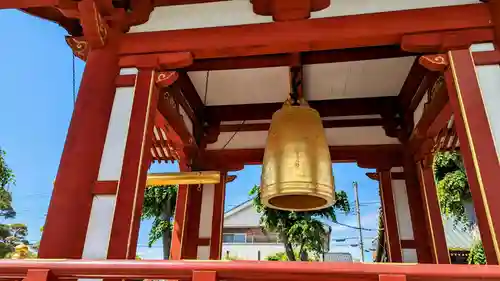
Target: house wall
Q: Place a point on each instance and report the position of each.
(245, 218)
(251, 251)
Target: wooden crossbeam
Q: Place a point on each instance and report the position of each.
(380, 29)
(326, 108)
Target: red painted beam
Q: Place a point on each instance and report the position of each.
(23, 4)
(486, 57)
(377, 29)
(326, 124)
(365, 155)
(326, 108)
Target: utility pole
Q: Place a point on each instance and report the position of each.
(358, 214)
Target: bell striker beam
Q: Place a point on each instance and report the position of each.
(473, 92)
(72, 198)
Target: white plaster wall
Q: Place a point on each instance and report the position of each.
(99, 228)
(349, 7)
(410, 256)
(237, 12)
(222, 13)
(405, 227)
(116, 137)
(203, 253)
(250, 251)
(489, 81)
(206, 216)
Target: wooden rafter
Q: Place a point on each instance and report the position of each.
(411, 84)
(436, 115)
(169, 109)
(190, 94)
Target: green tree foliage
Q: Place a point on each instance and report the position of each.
(452, 185)
(281, 256)
(300, 232)
(11, 235)
(159, 205)
(476, 254)
(453, 192)
(6, 180)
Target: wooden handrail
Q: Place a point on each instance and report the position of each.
(241, 270)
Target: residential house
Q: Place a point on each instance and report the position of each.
(243, 238)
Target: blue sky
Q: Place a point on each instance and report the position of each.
(36, 102)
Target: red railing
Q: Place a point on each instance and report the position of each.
(40, 270)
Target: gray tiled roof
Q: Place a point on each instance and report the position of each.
(458, 236)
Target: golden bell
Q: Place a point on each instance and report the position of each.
(297, 169)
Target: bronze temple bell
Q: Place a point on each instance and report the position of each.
(297, 169)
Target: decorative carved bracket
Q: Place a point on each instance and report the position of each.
(287, 10)
(437, 62)
(79, 46)
(95, 29)
(165, 79)
(373, 176)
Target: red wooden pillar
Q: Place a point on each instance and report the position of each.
(136, 160)
(432, 214)
(477, 147)
(390, 218)
(198, 221)
(416, 205)
(71, 201)
(218, 218)
(180, 216)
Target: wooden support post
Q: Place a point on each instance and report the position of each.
(71, 202)
(432, 213)
(218, 218)
(187, 219)
(136, 160)
(477, 145)
(390, 219)
(416, 205)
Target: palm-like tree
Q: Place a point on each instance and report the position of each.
(159, 205)
(301, 232)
